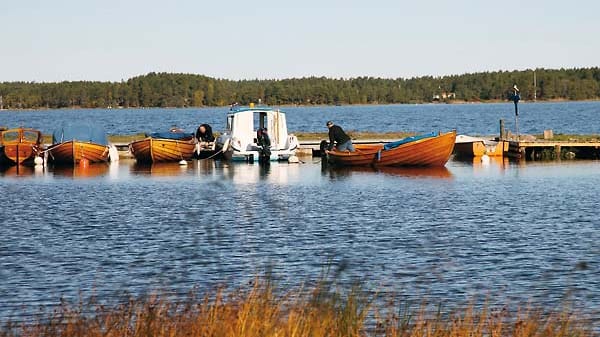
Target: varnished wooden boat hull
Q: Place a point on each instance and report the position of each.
(72, 152)
(425, 152)
(18, 154)
(152, 150)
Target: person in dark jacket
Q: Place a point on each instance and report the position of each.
(264, 142)
(204, 134)
(338, 137)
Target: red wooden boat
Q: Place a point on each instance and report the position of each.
(19, 146)
(430, 150)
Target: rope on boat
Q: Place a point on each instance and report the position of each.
(214, 155)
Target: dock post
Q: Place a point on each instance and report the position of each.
(502, 130)
(557, 149)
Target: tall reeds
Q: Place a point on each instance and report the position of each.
(263, 310)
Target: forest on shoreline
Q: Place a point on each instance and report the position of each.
(190, 90)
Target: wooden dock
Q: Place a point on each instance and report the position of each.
(548, 149)
(516, 149)
(305, 148)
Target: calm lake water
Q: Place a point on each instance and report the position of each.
(569, 117)
(512, 232)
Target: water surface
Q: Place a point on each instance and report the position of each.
(512, 232)
(482, 119)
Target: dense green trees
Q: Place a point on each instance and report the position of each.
(182, 90)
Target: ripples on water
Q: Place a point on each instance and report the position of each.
(516, 233)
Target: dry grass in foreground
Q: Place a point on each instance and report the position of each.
(260, 311)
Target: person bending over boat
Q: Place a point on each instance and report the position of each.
(264, 142)
(339, 137)
(204, 134)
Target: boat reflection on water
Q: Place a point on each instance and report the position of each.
(279, 173)
(81, 171)
(488, 164)
(407, 172)
(490, 161)
(166, 169)
(21, 171)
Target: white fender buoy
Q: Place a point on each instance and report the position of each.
(38, 170)
(183, 162)
(113, 153)
(38, 161)
(293, 160)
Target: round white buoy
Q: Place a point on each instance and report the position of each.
(485, 159)
(293, 160)
(38, 161)
(183, 163)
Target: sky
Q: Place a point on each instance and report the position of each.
(113, 40)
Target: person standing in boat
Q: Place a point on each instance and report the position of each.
(204, 134)
(338, 137)
(264, 142)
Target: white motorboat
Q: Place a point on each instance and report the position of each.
(239, 141)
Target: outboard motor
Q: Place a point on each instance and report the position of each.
(322, 147)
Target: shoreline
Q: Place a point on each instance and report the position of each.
(453, 102)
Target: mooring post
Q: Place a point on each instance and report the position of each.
(502, 131)
(557, 151)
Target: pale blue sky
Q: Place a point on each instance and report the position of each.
(59, 40)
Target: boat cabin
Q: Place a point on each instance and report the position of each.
(243, 123)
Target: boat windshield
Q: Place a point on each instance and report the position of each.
(10, 136)
(30, 136)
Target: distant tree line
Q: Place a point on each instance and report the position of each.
(186, 90)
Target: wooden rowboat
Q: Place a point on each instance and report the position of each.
(19, 146)
(78, 142)
(151, 150)
(426, 151)
(72, 152)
